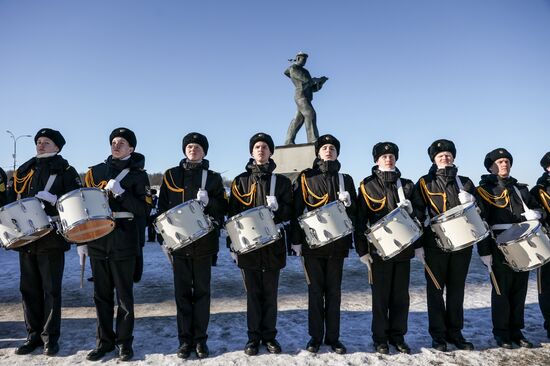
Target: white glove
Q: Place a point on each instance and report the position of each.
(407, 205)
(367, 259)
(531, 215)
(487, 261)
(345, 198)
(82, 251)
(465, 197)
(47, 196)
(297, 249)
(114, 187)
(202, 196)
(272, 203)
(234, 256)
(419, 254)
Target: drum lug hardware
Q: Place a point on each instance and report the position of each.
(313, 233)
(23, 208)
(64, 223)
(387, 229)
(201, 225)
(192, 208)
(260, 213)
(6, 235)
(169, 220)
(86, 212)
(397, 243)
(31, 224)
(267, 231)
(59, 207)
(17, 228)
(327, 234)
(349, 225)
(239, 225)
(504, 250)
(82, 195)
(540, 257)
(531, 244)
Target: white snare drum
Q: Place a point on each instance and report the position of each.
(183, 224)
(252, 229)
(459, 227)
(23, 222)
(394, 232)
(325, 224)
(526, 245)
(85, 215)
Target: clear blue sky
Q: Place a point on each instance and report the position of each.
(474, 71)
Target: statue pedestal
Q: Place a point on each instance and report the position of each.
(292, 159)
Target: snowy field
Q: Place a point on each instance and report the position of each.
(156, 336)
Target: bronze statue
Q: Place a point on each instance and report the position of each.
(305, 87)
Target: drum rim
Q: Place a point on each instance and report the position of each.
(195, 237)
(522, 237)
(382, 220)
(49, 226)
(18, 202)
(177, 207)
(68, 194)
(442, 217)
(272, 240)
(308, 214)
(257, 208)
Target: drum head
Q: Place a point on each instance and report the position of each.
(517, 231)
(452, 213)
(89, 230)
(28, 238)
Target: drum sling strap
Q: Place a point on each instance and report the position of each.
(122, 215)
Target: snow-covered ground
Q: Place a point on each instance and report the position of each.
(155, 328)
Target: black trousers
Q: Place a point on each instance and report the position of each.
(390, 300)
(108, 276)
(325, 292)
(192, 291)
(544, 296)
(261, 304)
(507, 309)
(40, 286)
(446, 316)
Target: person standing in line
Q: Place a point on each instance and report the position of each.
(113, 257)
(435, 193)
(502, 203)
(192, 264)
(378, 195)
(47, 176)
(262, 266)
(541, 192)
(314, 188)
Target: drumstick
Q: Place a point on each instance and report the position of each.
(369, 275)
(495, 283)
(432, 276)
(305, 271)
(82, 270)
(244, 281)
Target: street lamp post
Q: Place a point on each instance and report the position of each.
(15, 147)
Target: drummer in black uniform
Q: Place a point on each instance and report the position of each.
(262, 266)
(541, 192)
(377, 196)
(313, 189)
(113, 257)
(192, 263)
(43, 260)
(436, 192)
(501, 206)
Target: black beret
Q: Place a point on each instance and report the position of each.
(195, 138)
(260, 136)
(327, 139)
(53, 135)
(126, 134)
(496, 154)
(545, 161)
(441, 145)
(383, 148)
